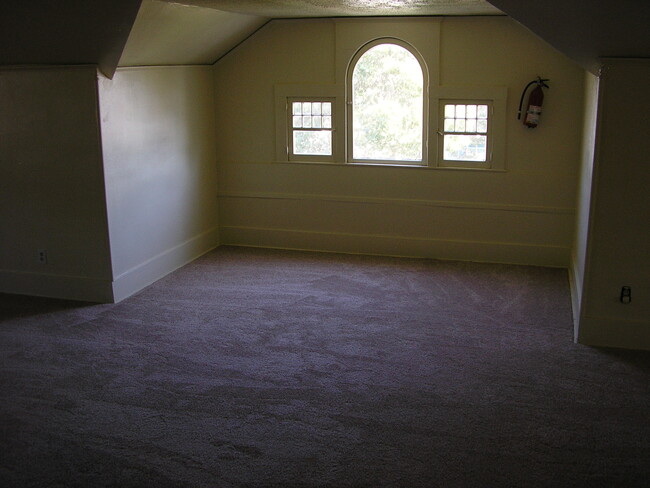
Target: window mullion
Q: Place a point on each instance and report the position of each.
(307, 142)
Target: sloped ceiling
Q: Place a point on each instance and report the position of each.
(48, 32)
(167, 33)
(346, 8)
(70, 32)
(586, 30)
(51, 32)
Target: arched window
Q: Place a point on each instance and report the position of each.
(387, 101)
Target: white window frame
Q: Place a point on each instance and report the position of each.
(495, 98)
(284, 93)
(291, 129)
(352, 34)
(442, 133)
(349, 129)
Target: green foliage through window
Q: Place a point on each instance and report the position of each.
(311, 128)
(387, 105)
(465, 129)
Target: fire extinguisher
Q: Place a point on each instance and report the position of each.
(535, 100)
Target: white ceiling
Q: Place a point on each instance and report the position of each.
(45, 32)
(346, 8)
(584, 30)
(166, 33)
(169, 32)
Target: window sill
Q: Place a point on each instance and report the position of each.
(480, 170)
(395, 165)
(387, 164)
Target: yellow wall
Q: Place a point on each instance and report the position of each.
(51, 185)
(119, 189)
(583, 197)
(159, 160)
(522, 215)
(618, 243)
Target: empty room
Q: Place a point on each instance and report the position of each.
(303, 243)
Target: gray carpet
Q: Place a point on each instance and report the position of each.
(261, 368)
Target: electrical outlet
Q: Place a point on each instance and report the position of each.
(626, 294)
(42, 256)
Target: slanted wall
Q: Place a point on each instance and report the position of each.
(159, 160)
(619, 234)
(52, 186)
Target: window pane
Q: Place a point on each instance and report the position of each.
(481, 126)
(450, 111)
(460, 125)
(315, 143)
(387, 103)
(470, 125)
(461, 147)
(306, 119)
(460, 111)
(327, 108)
(327, 122)
(306, 108)
(471, 112)
(297, 121)
(482, 112)
(316, 122)
(315, 108)
(297, 108)
(449, 125)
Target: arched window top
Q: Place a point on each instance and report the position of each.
(386, 90)
(391, 53)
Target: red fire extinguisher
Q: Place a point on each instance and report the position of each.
(535, 100)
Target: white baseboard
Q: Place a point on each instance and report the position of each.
(575, 286)
(144, 274)
(494, 252)
(105, 290)
(56, 286)
(609, 332)
(604, 331)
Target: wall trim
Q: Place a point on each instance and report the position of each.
(387, 165)
(399, 201)
(575, 288)
(385, 245)
(614, 332)
(163, 66)
(44, 67)
(142, 275)
(56, 286)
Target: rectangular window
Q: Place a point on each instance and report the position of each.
(466, 133)
(311, 126)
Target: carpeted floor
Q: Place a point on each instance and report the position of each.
(262, 368)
